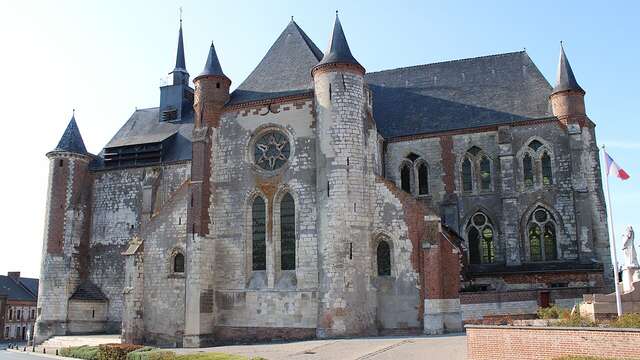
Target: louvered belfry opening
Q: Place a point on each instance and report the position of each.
(133, 155)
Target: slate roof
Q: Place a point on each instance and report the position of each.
(338, 51)
(21, 290)
(212, 67)
(88, 291)
(71, 139)
(180, 63)
(285, 69)
(144, 126)
(565, 80)
(459, 94)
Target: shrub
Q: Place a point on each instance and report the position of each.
(575, 320)
(115, 351)
(627, 321)
(80, 352)
(553, 312)
(151, 353)
(211, 356)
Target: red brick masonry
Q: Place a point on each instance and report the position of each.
(530, 342)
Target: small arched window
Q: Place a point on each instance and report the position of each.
(485, 173)
(541, 231)
(480, 235)
(527, 167)
(547, 173)
(423, 179)
(258, 229)
(467, 182)
(405, 178)
(287, 233)
(178, 263)
(383, 259)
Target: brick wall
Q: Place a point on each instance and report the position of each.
(505, 342)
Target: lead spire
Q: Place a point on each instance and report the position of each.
(180, 73)
(71, 140)
(565, 78)
(212, 67)
(338, 51)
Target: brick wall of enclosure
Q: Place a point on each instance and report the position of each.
(512, 342)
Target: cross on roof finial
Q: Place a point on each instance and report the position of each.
(291, 17)
(74, 111)
(180, 15)
(336, 12)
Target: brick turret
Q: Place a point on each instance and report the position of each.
(567, 98)
(67, 225)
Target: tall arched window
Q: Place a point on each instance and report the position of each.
(541, 231)
(258, 228)
(480, 235)
(383, 258)
(547, 173)
(423, 179)
(287, 233)
(405, 178)
(485, 173)
(527, 167)
(467, 182)
(178, 263)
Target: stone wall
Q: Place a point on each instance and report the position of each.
(512, 342)
(87, 316)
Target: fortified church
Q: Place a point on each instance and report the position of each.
(321, 200)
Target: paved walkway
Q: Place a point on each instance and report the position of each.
(447, 347)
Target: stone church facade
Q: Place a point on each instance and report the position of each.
(319, 200)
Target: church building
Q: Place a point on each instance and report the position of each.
(319, 200)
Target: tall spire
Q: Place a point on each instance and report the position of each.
(212, 67)
(338, 52)
(71, 140)
(565, 80)
(179, 72)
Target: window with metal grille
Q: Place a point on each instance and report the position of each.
(383, 258)
(287, 233)
(259, 248)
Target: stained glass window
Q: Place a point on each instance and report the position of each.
(259, 249)
(542, 236)
(272, 150)
(547, 173)
(383, 257)
(287, 233)
(423, 179)
(467, 184)
(405, 178)
(527, 166)
(481, 239)
(485, 173)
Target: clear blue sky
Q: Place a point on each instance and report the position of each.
(106, 58)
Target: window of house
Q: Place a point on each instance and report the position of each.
(480, 235)
(485, 173)
(10, 314)
(33, 313)
(383, 258)
(547, 173)
(527, 166)
(178, 263)
(467, 184)
(542, 236)
(259, 249)
(405, 178)
(287, 233)
(423, 179)
(18, 313)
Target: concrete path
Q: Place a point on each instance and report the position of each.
(447, 347)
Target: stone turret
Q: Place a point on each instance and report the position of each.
(211, 94)
(342, 191)
(67, 222)
(567, 98)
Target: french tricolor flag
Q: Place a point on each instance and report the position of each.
(614, 169)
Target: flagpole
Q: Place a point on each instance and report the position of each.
(612, 239)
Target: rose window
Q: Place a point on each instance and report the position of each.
(272, 150)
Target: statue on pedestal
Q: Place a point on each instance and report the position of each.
(631, 269)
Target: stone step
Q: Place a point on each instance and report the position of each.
(58, 342)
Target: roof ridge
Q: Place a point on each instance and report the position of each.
(451, 61)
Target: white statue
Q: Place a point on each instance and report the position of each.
(631, 258)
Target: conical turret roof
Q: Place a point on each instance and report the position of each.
(565, 80)
(71, 140)
(338, 51)
(212, 67)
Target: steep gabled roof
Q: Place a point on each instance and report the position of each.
(458, 94)
(565, 79)
(88, 291)
(284, 70)
(71, 139)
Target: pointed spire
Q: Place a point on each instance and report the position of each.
(338, 51)
(565, 80)
(212, 67)
(71, 140)
(180, 63)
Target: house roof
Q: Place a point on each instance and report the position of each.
(285, 69)
(71, 139)
(88, 291)
(467, 93)
(21, 289)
